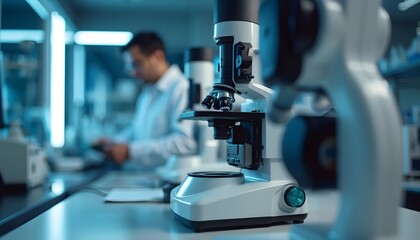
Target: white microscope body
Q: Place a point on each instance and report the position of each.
(350, 37)
(262, 194)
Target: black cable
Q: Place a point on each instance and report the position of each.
(94, 190)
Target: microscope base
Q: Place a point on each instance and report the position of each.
(207, 203)
(214, 225)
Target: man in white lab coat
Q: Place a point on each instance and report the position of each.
(155, 132)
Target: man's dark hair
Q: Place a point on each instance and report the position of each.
(148, 42)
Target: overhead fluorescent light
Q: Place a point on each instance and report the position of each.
(16, 36)
(103, 38)
(405, 5)
(45, 7)
(20, 35)
(79, 71)
(57, 80)
(40, 9)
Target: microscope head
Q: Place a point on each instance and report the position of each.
(236, 33)
(250, 136)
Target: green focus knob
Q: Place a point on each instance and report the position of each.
(294, 197)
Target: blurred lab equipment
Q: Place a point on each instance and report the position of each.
(334, 46)
(401, 57)
(22, 163)
(199, 69)
(411, 150)
(263, 193)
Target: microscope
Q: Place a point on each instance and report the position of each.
(199, 69)
(333, 46)
(262, 193)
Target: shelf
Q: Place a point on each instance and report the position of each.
(409, 70)
(405, 76)
(26, 65)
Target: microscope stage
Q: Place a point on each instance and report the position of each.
(211, 115)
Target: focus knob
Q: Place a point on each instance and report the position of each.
(294, 197)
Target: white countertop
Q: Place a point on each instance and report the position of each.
(85, 215)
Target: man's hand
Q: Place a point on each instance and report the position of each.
(101, 145)
(114, 151)
(118, 153)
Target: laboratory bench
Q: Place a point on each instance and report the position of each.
(18, 207)
(411, 197)
(86, 215)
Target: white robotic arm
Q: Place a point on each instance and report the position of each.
(338, 54)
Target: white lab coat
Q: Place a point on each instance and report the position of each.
(155, 132)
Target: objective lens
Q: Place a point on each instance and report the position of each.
(225, 104)
(207, 102)
(216, 105)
